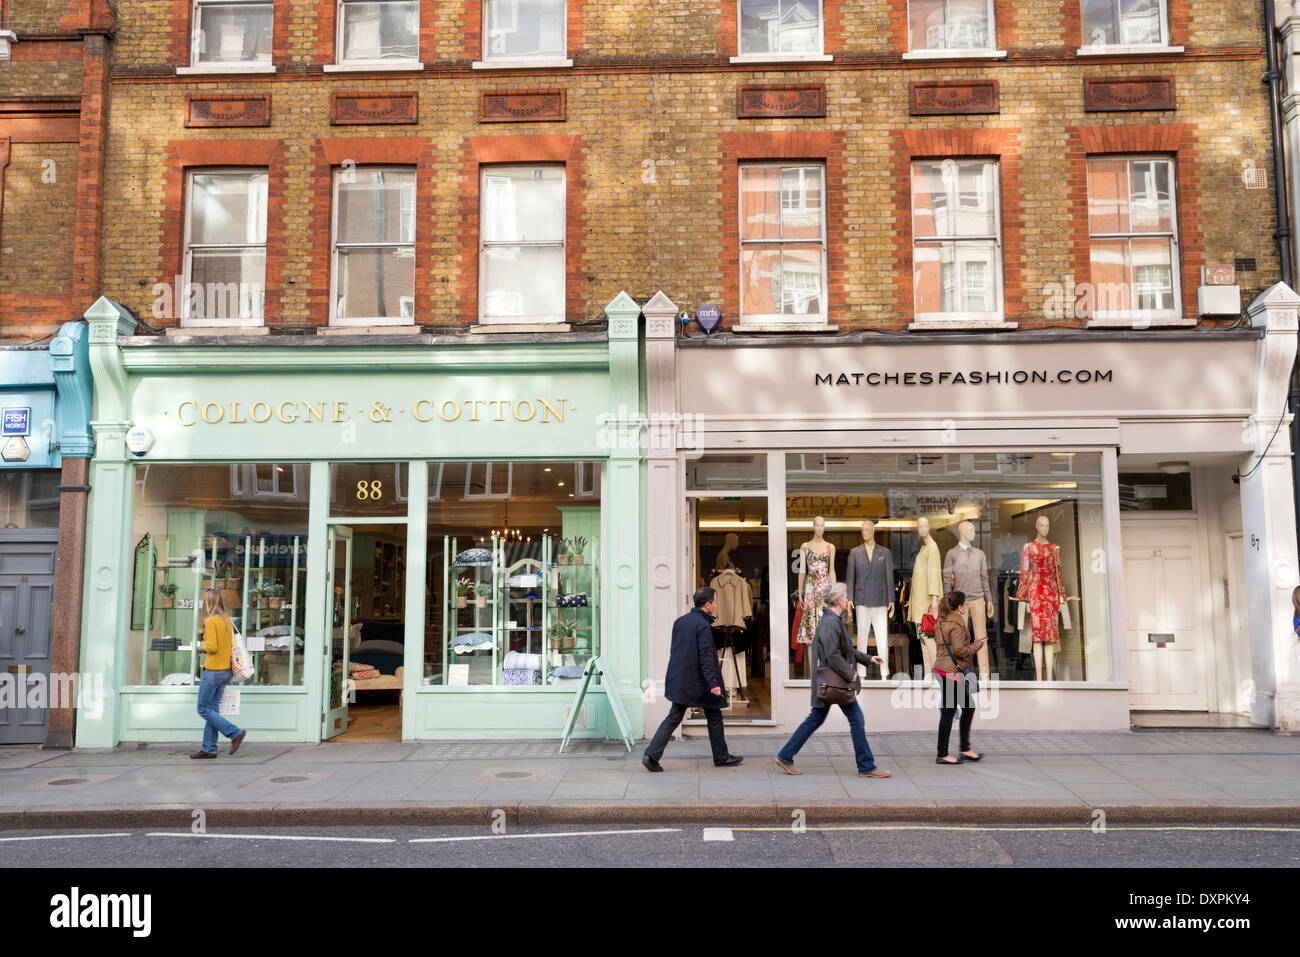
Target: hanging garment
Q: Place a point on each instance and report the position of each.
(1042, 588)
(735, 602)
(795, 644)
(927, 583)
(817, 575)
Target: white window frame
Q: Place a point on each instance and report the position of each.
(1144, 317)
(781, 319)
(491, 62)
(243, 480)
(1089, 46)
(371, 63)
(335, 319)
(487, 492)
(938, 53)
(195, 33)
(961, 318)
(181, 299)
(483, 172)
(777, 56)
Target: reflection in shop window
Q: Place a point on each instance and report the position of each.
(197, 527)
(29, 498)
(1004, 496)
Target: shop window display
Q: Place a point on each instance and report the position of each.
(241, 529)
(1021, 533)
(513, 594)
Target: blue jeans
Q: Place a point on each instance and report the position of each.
(816, 718)
(210, 687)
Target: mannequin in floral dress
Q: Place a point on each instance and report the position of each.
(816, 571)
(1042, 588)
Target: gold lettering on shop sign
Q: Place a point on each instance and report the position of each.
(189, 412)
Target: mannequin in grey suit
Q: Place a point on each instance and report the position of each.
(870, 581)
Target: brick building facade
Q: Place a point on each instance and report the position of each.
(651, 121)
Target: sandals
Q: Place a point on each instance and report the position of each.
(948, 763)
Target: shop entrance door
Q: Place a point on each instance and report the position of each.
(26, 594)
(1163, 597)
(338, 591)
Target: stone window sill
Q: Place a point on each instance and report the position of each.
(779, 328)
(224, 69)
(961, 325)
(1128, 50)
(526, 63)
(1139, 322)
(384, 66)
(783, 58)
(387, 329)
(955, 55)
(217, 331)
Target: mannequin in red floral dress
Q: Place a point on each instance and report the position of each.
(1042, 588)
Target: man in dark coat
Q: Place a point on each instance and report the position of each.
(693, 681)
(833, 648)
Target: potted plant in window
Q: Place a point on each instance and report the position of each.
(576, 546)
(224, 578)
(464, 588)
(275, 595)
(481, 594)
(561, 551)
(168, 592)
(563, 631)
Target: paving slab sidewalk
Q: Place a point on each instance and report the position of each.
(1188, 777)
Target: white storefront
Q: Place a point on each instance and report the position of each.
(1160, 459)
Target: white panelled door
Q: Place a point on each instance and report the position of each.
(1163, 594)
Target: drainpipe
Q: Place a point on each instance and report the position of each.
(1283, 233)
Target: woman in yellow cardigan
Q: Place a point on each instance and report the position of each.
(218, 633)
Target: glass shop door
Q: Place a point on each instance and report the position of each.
(338, 591)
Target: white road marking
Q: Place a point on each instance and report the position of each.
(718, 834)
(64, 837)
(1106, 830)
(503, 837)
(278, 837)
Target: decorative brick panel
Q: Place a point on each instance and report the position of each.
(521, 106)
(1114, 95)
(227, 109)
(1002, 145)
(780, 101)
(360, 109)
(479, 151)
(940, 98)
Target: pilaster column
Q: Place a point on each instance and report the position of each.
(665, 552)
(623, 594)
(1289, 90)
(106, 601)
(1268, 516)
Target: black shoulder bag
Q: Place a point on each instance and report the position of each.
(968, 673)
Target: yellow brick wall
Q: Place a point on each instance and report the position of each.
(40, 187)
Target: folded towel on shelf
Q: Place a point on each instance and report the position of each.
(518, 659)
(524, 581)
(472, 557)
(475, 641)
(365, 674)
(520, 676)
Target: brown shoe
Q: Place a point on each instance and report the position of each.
(203, 754)
(236, 741)
(877, 773)
(787, 768)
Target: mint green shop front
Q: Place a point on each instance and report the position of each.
(253, 465)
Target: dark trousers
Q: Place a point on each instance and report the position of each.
(954, 696)
(816, 718)
(655, 749)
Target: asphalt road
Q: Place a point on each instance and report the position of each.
(868, 845)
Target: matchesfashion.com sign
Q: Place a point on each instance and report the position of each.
(970, 377)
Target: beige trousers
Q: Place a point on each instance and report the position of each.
(977, 622)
